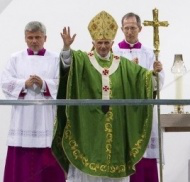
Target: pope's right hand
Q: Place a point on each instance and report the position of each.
(67, 39)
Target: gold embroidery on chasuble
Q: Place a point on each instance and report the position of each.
(76, 152)
(108, 129)
(138, 145)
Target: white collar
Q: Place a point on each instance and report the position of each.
(107, 58)
(131, 45)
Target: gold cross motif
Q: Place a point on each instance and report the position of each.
(156, 24)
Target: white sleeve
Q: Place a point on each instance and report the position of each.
(161, 81)
(43, 89)
(65, 57)
(52, 83)
(10, 83)
(154, 81)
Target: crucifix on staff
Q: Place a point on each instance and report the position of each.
(156, 24)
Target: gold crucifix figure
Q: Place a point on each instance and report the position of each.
(156, 24)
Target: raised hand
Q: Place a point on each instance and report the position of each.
(67, 39)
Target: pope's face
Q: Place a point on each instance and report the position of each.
(131, 29)
(103, 47)
(35, 40)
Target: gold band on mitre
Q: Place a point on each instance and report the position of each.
(103, 26)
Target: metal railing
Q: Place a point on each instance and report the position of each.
(97, 102)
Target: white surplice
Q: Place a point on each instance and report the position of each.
(75, 175)
(31, 126)
(146, 59)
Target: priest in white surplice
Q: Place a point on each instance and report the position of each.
(32, 74)
(132, 49)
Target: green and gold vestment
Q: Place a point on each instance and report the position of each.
(98, 143)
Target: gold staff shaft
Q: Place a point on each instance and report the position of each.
(156, 42)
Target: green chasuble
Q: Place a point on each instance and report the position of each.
(103, 143)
